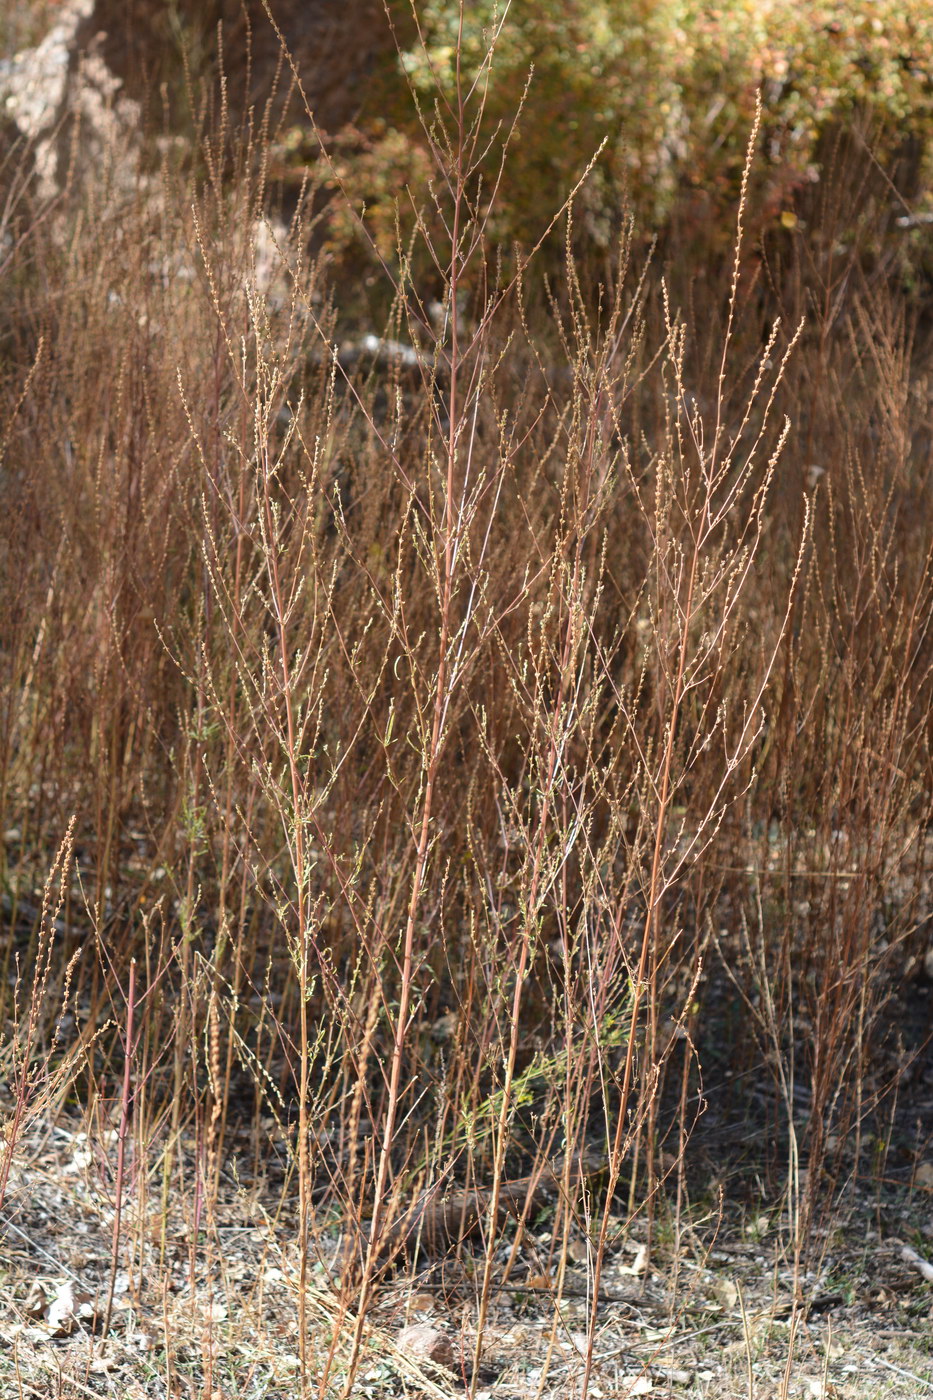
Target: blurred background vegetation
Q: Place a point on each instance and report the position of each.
(665, 91)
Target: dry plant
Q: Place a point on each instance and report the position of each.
(429, 703)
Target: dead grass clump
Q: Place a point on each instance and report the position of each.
(439, 713)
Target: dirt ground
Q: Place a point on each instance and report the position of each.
(207, 1306)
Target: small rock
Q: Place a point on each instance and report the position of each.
(428, 1343)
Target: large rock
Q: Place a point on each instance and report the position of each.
(65, 107)
(335, 45)
(109, 69)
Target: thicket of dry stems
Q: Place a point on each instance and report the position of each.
(458, 746)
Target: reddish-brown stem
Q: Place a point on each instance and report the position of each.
(125, 1104)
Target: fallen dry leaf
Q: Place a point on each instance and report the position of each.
(638, 1265)
(101, 1365)
(69, 1307)
(672, 1375)
(818, 1389)
(910, 1256)
(726, 1292)
(36, 1302)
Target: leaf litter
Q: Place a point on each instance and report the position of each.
(197, 1300)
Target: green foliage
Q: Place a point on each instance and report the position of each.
(545, 1071)
(665, 89)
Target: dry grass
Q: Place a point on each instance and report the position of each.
(460, 743)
